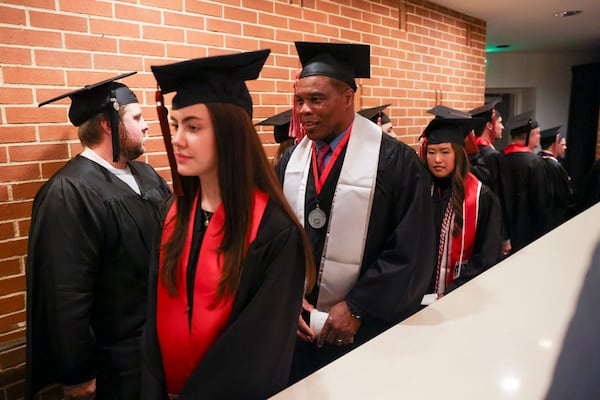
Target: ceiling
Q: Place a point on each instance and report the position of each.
(530, 25)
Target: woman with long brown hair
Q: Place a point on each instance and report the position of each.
(234, 261)
(466, 212)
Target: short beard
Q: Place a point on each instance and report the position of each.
(129, 152)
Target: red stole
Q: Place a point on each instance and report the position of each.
(516, 148)
(480, 141)
(183, 347)
(460, 247)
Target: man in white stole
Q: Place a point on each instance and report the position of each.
(367, 211)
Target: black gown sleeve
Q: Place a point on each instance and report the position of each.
(488, 239)
(400, 248)
(66, 232)
(252, 358)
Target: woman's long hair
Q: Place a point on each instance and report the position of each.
(458, 175)
(242, 167)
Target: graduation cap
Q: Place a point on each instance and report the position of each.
(281, 125)
(522, 123)
(450, 130)
(93, 99)
(441, 111)
(548, 136)
(341, 61)
(375, 113)
(487, 111)
(218, 79)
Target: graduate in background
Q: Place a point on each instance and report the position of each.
(559, 195)
(281, 134)
(227, 286)
(377, 116)
(373, 245)
(524, 192)
(92, 227)
(467, 213)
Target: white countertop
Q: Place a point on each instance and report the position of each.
(496, 337)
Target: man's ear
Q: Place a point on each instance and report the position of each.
(105, 124)
(349, 97)
(489, 126)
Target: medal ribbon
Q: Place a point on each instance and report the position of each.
(320, 181)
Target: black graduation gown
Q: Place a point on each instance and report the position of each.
(493, 160)
(252, 357)
(399, 251)
(87, 270)
(590, 189)
(479, 169)
(524, 197)
(487, 248)
(559, 196)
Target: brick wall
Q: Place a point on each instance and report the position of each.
(422, 54)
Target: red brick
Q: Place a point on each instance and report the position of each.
(219, 25)
(14, 55)
(50, 168)
(242, 43)
(141, 47)
(26, 191)
(4, 192)
(87, 7)
(240, 14)
(204, 8)
(12, 375)
(152, 32)
(10, 267)
(38, 152)
(13, 284)
(116, 28)
(15, 95)
(184, 51)
(118, 62)
(12, 304)
(137, 13)
(19, 172)
(13, 210)
(101, 43)
(7, 230)
(34, 76)
(286, 10)
(25, 224)
(206, 38)
(49, 4)
(183, 20)
(22, 115)
(170, 4)
(11, 358)
(12, 16)
(257, 31)
(57, 132)
(59, 58)
(53, 20)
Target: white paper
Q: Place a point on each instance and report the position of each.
(429, 298)
(317, 320)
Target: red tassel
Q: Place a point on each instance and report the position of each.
(296, 129)
(162, 112)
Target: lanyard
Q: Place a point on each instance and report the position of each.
(320, 181)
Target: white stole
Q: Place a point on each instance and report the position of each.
(348, 221)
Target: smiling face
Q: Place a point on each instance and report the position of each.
(441, 159)
(325, 107)
(194, 141)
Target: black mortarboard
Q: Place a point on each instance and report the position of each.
(92, 99)
(281, 125)
(548, 136)
(341, 61)
(522, 123)
(450, 130)
(486, 111)
(374, 113)
(218, 79)
(441, 111)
